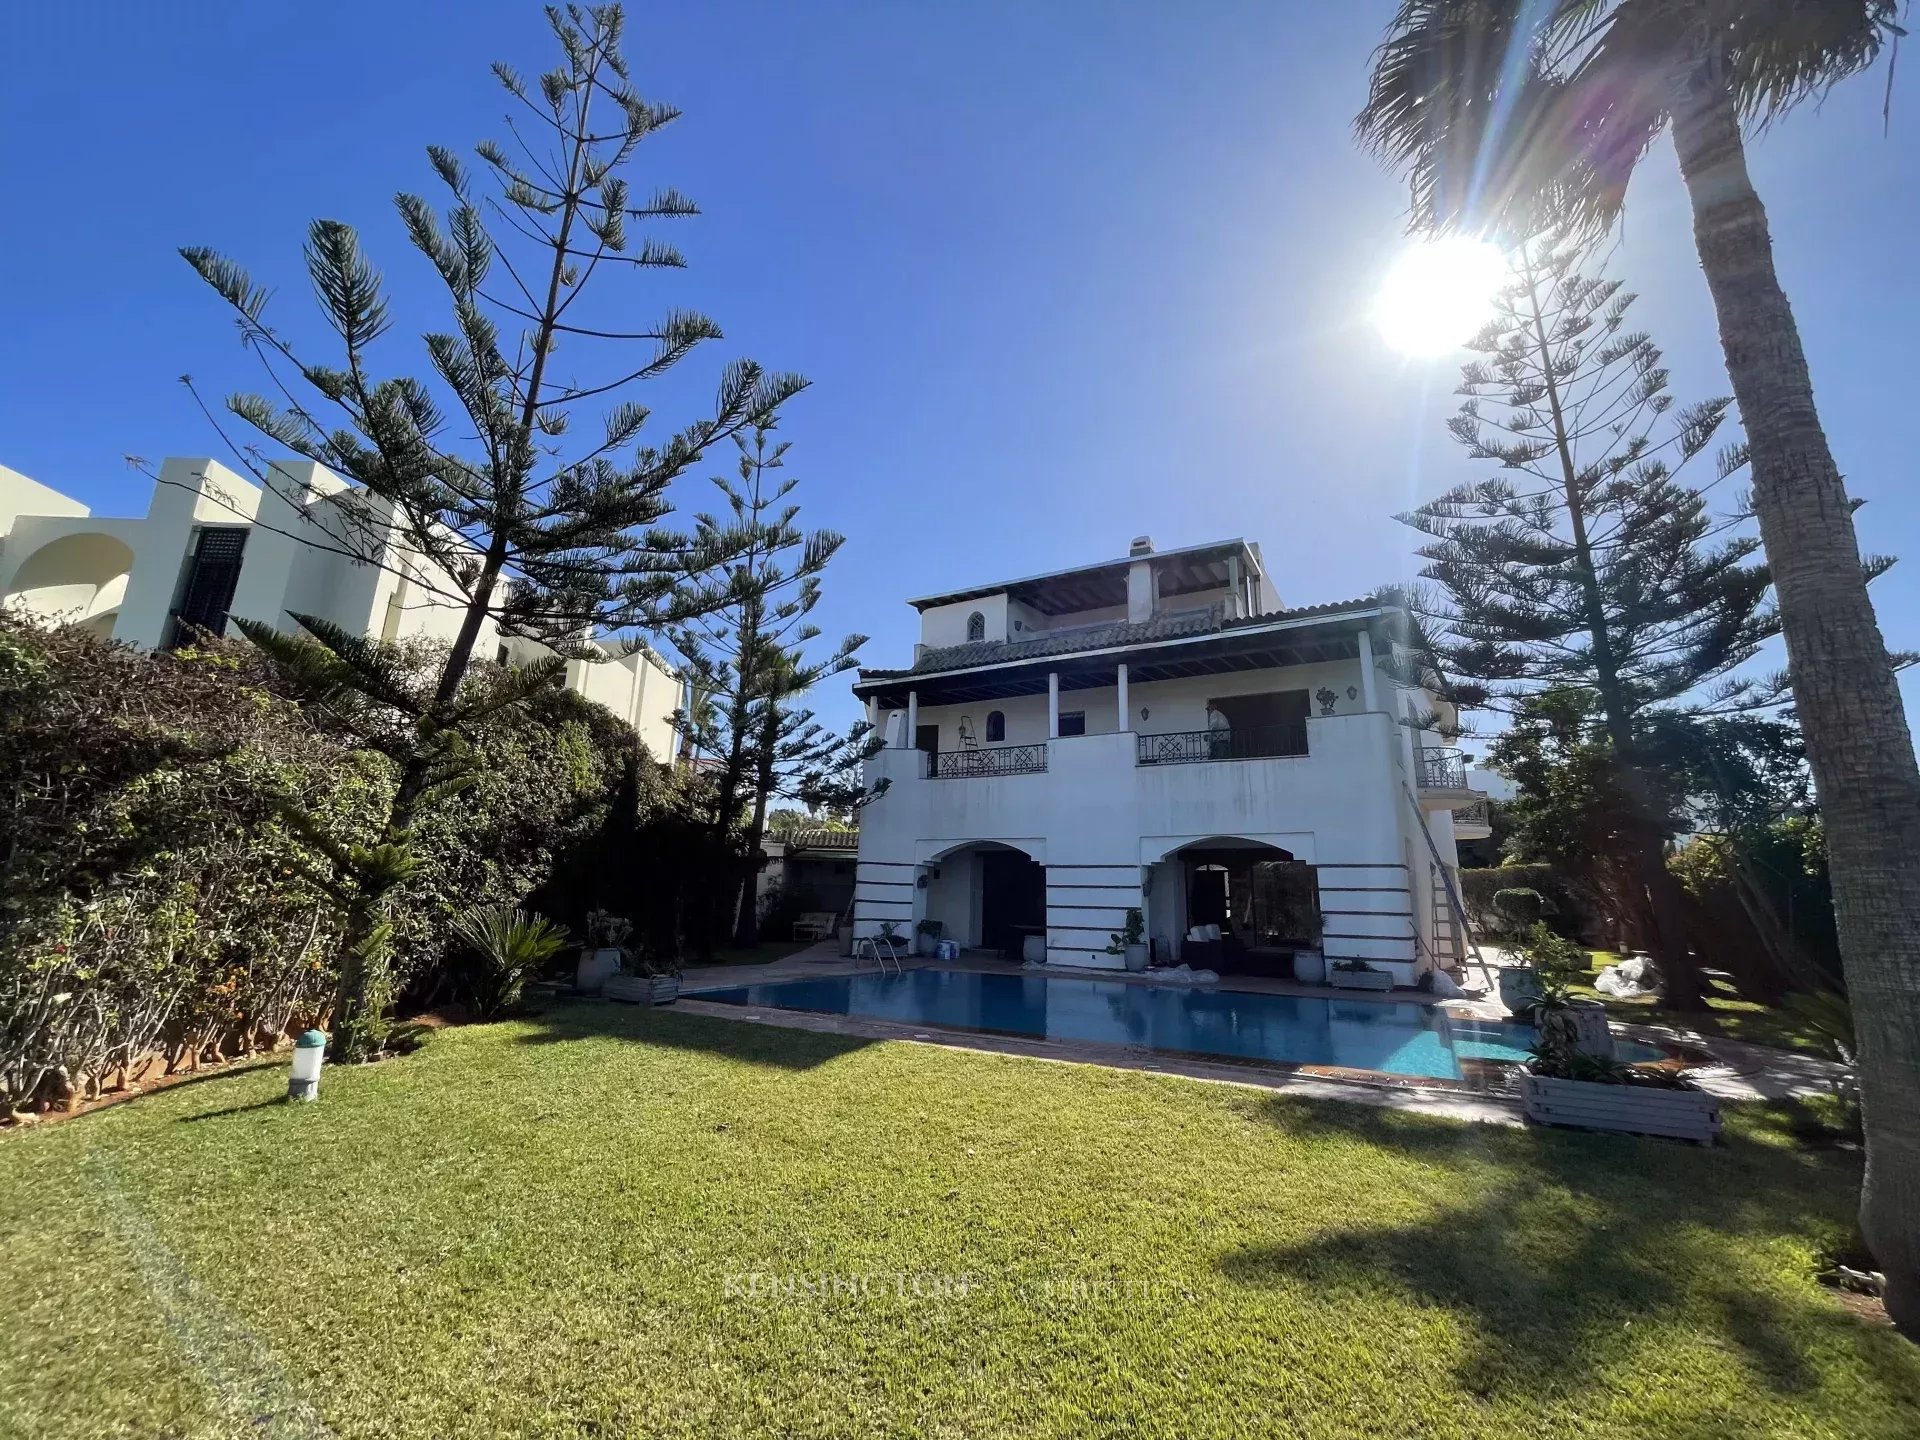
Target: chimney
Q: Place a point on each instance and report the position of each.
(1140, 596)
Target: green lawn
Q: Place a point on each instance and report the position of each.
(545, 1228)
(1726, 1014)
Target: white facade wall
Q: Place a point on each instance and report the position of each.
(123, 576)
(943, 625)
(1102, 824)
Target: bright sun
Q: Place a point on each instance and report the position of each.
(1438, 295)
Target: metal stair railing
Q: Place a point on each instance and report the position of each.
(881, 958)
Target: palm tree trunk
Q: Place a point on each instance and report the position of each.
(1843, 685)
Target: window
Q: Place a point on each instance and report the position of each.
(212, 575)
(1073, 722)
(976, 626)
(996, 727)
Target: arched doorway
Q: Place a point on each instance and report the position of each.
(988, 895)
(1264, 900)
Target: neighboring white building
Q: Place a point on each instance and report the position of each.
(1158, 732)
(214, 545)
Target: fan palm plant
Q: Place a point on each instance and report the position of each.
(512, 947)
(1511, 115)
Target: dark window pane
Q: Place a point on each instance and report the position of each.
(213, 572)
(1073, 722)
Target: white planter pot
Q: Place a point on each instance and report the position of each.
(1310, 967)
(1633, 1109)
(1136, 957)
(1359, 979)
(643, 989)
(595, 969)
(1519, 987)
(925, 945)
(1033, 949)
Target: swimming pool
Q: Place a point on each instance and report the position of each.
(1394, 1038)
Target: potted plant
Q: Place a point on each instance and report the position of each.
(645, 980)
(607, 937)
(1564, 1084)
(1358, 975)
(1131, 941)
(1518, 911)
(926, 937)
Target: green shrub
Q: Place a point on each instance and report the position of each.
(511, 947)
(1519, 907)
(155, 911)
(1568, 905)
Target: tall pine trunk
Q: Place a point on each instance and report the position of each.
(1848, 703)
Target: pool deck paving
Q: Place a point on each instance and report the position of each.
(1741, 1072)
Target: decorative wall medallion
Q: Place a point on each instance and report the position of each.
(1327, 700)
(1353, 692)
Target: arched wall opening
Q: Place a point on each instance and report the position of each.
(79, 577)
(987, 894)
(1263, 899)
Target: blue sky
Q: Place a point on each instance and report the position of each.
(1060, 273)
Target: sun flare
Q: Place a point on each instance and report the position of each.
(1439, 294)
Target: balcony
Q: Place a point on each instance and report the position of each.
(1473, 822)
(993, 761)
(1258, 742)
(1100, 799)
(1442, 779)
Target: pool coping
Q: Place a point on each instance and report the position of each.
(1455, 1099)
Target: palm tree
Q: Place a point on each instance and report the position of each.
(1508, 115)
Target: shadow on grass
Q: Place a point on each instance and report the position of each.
(271, 1102)
(777, 1046)
(1564, 1255)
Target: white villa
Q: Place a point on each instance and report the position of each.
(1159, 732)
(214, 545)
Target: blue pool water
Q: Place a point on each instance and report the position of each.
(1393, 1038)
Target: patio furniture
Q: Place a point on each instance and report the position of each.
(815, 925)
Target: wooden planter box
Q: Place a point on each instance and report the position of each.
(1358, 979)
(1633, 1109)
(643, 989)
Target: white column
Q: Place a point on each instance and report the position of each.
(1366, 672)
(912, 737)
(1125, 723)
(1053, 705)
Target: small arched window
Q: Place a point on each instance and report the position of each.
(976, 626)
(996, 726)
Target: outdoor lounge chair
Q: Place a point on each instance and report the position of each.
(815, 925)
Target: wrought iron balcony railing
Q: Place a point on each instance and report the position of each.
(1476, 815)
(994, 760)
(1441, 769)
(1254, 742)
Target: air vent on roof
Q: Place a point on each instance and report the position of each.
(1142, 545)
